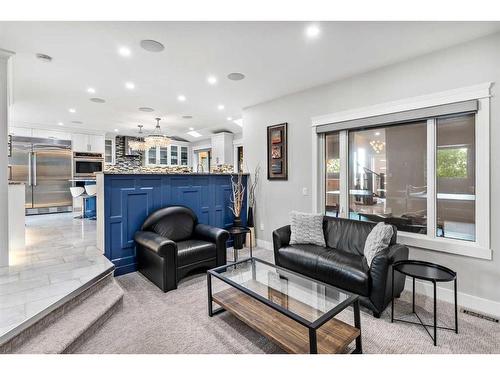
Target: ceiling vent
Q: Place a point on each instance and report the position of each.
(97, 100)
(146, 109)
(77, 122)
(43, 57)
(235, 76)
(187, 117)
(152, 45)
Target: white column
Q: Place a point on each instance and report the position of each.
(5, 101)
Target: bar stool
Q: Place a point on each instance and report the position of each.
(91, 192)
(78, 192)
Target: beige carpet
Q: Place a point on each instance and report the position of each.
(177, 322)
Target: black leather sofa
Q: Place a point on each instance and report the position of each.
(342, 263)
(171, 243)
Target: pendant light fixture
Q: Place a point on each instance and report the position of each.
(138, 144)
(157, 138)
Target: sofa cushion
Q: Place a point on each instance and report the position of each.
(349, 235)
(333, 266)
(378, 240)
(192, 251)
(344, 270)
(306, 228)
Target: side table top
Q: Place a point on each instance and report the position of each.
(238, 230)
(425, 270)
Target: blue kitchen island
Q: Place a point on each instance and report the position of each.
(124, 200)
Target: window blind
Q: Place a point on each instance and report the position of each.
(402, 117)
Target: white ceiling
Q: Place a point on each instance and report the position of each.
(276, 58)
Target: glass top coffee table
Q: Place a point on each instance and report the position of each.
(296, 312)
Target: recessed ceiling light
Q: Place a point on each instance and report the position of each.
(97, 100)
(116, 130)
(229, 118)
(60, 123)
(146, 109)
(191, 128)
(72, 110)
(377, 134)
(77, 122)
(212, 80)
(194, 133)
(312, 31)
(124, 51)
(43, 57)
(235, 76)
(91, 90)
(220, 107)
(187, 117)
(130, 85)
(239, 122)
(152, 45)
(181, 98)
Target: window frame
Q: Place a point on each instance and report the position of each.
(480, 248)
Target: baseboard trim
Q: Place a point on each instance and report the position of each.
(264, 244)
(471, 302)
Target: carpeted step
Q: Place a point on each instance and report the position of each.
(67, 332)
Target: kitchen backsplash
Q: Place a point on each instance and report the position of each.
(126, 162)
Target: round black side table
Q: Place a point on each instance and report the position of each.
(432, 272)
(238, 234)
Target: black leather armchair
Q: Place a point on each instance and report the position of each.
(171, 244)
(342, 262)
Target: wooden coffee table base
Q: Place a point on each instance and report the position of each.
(332, 337)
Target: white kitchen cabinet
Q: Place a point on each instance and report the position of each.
(52, 134)
(20, 132)
(88, 143)
(222, 148)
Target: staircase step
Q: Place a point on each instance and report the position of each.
(73, 322)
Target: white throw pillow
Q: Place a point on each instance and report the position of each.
(378, 239)
(306, 229)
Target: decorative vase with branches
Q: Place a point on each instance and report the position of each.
(251, 196)
(238, 193)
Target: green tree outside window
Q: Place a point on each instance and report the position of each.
(452, 163)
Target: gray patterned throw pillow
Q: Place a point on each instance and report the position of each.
(378, 239)
(306, 229)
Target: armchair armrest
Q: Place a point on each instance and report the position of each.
(216, 235)
(154, 242)
(209, 233)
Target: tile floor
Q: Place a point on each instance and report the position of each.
(60, 256)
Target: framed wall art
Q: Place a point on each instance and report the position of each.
(277, 152)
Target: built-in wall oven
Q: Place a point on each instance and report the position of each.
(85, 164)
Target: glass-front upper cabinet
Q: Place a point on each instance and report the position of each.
(184, 155)
(174, 155)
(109, 151)
(163, 155)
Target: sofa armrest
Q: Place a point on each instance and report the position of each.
(380, 270)
(281, 238)
(215, 235)
(154, 242)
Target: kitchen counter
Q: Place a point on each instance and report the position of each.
(139, 172)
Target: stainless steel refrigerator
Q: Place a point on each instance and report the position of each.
(44, 165)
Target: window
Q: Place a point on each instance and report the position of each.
(388, 176)
(109, 151)
(455, 169)
(184, 155)
(332, 176)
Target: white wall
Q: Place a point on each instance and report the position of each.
(467, 64)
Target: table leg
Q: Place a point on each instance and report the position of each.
(251, 245)
(209, 288)
(435, 314)
(235, 254)
(313, 343)
(413, 304)
(357, 324)
(456, 308)
(392, 297)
